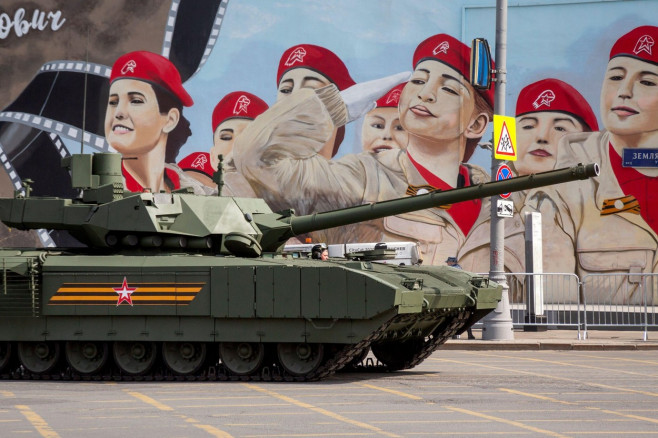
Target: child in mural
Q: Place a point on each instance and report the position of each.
(144, 122)
(309, 66)
(445, 118)
(197, 165)
(381, 126)
(229, 118)
(609, 224)
(546, 111)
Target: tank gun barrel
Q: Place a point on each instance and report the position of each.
(337, 218)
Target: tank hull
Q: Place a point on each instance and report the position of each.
(78, 299)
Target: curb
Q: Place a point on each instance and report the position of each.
(580, 346)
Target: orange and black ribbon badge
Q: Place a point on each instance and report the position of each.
(421, 190)
(626, 203)
(126, 293)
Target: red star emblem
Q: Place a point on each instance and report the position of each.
(124, 293)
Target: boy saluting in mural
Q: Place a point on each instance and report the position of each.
(444, 117)
(546, 111)
(310, 66)
(611, 221)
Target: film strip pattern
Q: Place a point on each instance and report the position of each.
(92, 140)
(184, 18)
(77, 66)
(214, 33)
(61, 98)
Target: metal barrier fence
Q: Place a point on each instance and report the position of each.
(620, 300)
(614, 300)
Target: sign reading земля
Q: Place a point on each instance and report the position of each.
(640, 158)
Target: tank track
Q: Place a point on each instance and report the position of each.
(438, 337)
(341, 360)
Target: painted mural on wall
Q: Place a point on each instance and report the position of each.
(317, 106)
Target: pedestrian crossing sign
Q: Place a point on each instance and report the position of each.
(504, 138)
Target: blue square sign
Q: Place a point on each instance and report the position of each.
(637, 157)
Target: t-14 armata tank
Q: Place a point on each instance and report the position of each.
(174, 284)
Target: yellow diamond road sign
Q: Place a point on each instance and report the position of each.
(504, 138)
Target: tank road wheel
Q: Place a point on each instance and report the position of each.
(86, 357)
(134, 358)
(184, 358)
(242, 358)
(395, 355)
(5, 355)
(38, 357)
(300, 359)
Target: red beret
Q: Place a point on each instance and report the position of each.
(452, 52)
(639, 43)
(238, 104)
(392, 98)
(316, 58)
(152, 68)
(197, 162)
(558, 96)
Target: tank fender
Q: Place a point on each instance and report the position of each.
(488, 298)
(409, 301)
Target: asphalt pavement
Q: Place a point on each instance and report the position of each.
(560, 339)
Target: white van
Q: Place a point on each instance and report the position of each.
(406, 253)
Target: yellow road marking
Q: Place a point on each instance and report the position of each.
(540, 397)
(206, 427)
(505, 421)
(548, 376)
(392, 391)
(300, 435)
(163, 407)
(39, 423)
(623, 359)
(213, 431)
(532, 359)
(7, 394)
(149, 400)
(634, 417)
(319, 410)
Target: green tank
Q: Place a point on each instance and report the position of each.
(174, 285)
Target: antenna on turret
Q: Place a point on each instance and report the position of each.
(218, 176)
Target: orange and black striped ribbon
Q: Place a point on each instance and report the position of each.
(629, 204)
(413, 191)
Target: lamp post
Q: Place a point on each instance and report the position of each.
(498, 324)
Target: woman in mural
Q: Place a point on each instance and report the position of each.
(144, 121)
(381, 126)
(609, 223)
(546, 111)
(309, 66)
(445, 118)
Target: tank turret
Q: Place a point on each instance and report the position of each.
(104, 215)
